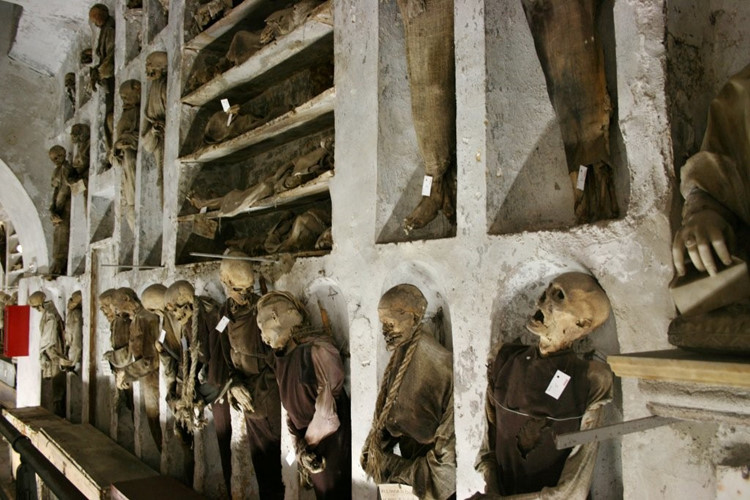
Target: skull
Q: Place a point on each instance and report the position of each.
(125, 302)
(573, 306)
(179, 299)
(401, 310)
(279, 315)
(58, 155)
(80, 133)
(130, 93)
(237, 277)
(152, 298)
(98, 14)
(74, 300)
(70, 81)
(86, 56)
(105, 304)
(37, 299)
(156, 65)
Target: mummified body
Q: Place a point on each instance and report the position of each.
(125, 149)
(156, 110)
(103, 71)
(523, 415)
(414, 409)
(572, 58)
(50, 353)
(253, 389)
(715, 183)
(80, 135)
(203, 368)
(310, 375)
(60, 209)
(428, 29)
(73, 334)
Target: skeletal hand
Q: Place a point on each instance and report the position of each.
(311, 461)
(241, 398)
(698, 235)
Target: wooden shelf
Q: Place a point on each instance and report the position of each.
(297, 123)
(310, 189)
(276, 54)
(223, 25)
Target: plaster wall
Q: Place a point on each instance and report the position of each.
(487, 282)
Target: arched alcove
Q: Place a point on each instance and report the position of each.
(24, 216)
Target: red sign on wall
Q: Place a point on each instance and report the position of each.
(16, 338)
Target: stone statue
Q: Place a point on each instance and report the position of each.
(204, 367)
(288, 176)
(125, 147)
(73, 334)
(60, 209)
(142, 364)
(715, 183)
(537, 392)
(50, 352)
(70, 88)
(428, 29)
(156, 111)
(414, 408)
(566, 32)
(80, 135)
(254, 389)
(310, 375)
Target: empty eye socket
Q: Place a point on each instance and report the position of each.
(558, 294)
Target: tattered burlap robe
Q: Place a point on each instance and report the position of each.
(572, 58)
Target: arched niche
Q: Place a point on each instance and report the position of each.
(325, 300)
(24, 216)
(515, 303)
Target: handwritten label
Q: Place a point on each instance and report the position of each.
(427, 185)
(396, 492)
(162, 336)
(222, 325)
(225, 105)
(290, 457)
(581, 178)
(558, 384)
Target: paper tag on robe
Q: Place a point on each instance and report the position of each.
(558, 384)
(204, 210)
(184, 344)
(162, 336)
(223, 322)
(581, 178)
(427, 185)
(291, 457)
(394, 491)
(225, 105)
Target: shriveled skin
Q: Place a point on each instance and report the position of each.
(572, 58)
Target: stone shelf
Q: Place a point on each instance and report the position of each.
(299, 122)
(303, 193)
(275, 61)
(223, 25)
(677, 365)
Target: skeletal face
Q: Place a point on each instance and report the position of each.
(70, 80)
(130, 93)
(105, 305)
(74, 301)
(156, 65)
(237, 277)
(36, 300)
(125, 302)
(277, 318)
(179, 300)
(86, 56)
(98, 14)
(57, 155)
(152, 298)
(400, 311)
(572, 307)
(79, 133)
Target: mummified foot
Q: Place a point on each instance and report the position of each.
(428, 207)
(598, 200)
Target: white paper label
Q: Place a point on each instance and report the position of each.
(162, 336)
(204, 210)
(184, 344)
(396, 492)
(558, 384)
(427, 185)
(290, 457)
(225, 105)
(581, 178)
(223, 322)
